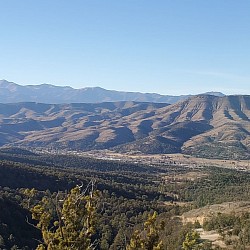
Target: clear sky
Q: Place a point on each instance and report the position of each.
(164, 46)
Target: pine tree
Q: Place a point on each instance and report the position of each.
(148, 239)
(191, 241)
(67, 223)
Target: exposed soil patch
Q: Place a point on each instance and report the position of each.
(201, 214)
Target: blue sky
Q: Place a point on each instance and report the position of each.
(165, 46)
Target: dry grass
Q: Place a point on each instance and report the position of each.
(201, 214)
(189, 176)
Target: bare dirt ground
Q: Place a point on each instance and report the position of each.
(212, 236)
(204, 213)
(179, 203)
(201, 214)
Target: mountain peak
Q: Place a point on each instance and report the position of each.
(6, 84)
(215, 93)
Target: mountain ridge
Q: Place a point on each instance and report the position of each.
(203, 126)
(48, 93)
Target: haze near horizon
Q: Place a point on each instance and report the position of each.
(168, 47)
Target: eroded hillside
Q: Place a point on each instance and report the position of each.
(203, 125)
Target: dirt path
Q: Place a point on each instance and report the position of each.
(212, 236)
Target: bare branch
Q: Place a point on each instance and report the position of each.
(31, 224)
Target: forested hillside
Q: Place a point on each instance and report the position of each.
(129, 193)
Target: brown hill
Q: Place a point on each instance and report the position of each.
(204, 125)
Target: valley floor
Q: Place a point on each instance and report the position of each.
(161, 159)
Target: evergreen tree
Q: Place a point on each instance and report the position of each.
(67, 223)
(148, 239)
(191, 241)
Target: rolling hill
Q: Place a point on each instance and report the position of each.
(204, 125)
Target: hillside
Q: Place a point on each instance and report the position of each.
(204, 125)
(128, 191)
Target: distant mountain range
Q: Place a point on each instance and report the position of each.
(204, 125)
(45, 93)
